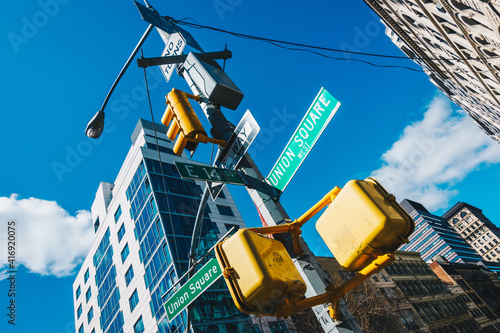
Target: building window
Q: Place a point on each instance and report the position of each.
(79, 312)
(462, 214)
(78, 292)
(86, 276)
(225, 210)
(229, 226)
(96, 224)
(90, 315)
(118, 213)
(80, 330)
(129, 275)
(121, 232)
(133, 300)
(125, 253)
(87, 295)
(139, 326)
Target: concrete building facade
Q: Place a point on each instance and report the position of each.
(409, 279)
(457, 43)
(406, 296)
(478, 289)
(476, 229)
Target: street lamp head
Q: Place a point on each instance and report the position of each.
(95, 126)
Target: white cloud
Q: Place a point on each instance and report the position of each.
(434, 154)
(49, 241)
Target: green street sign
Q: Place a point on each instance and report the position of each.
(207, 173)
(310, 129)
(193, 288)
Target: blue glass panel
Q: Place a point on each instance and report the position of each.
(107, 287)
(118, 213)
(121, 232)
(133, 300)
(139, 326)
(110, 309)
(101, 248)
(129, 275)
(117, 325)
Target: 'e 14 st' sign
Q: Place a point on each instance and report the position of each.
(310, 129)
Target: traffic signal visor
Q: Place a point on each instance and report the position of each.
(363, 222)
(183, 119)
(259, 273)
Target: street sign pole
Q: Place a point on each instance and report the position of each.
(273, 213)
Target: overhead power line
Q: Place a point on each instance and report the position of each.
(311, 48)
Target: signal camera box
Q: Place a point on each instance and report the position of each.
(363, 222)
(259, 272)
(217, 86)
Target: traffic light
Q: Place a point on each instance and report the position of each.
(362, 223)
(259, 273)
(184, 123)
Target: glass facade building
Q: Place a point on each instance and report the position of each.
(433, 236)
(143, 224)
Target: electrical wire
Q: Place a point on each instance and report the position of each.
(324, 48)
(308, 47)
(161, 169)
(347, 59)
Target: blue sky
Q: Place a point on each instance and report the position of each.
(60, 57)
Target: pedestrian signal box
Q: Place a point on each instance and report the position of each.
(363, 222)
(259, 273)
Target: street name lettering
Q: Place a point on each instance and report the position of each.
(193, 288)
(307, 133)
(208, 173)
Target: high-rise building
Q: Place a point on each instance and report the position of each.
(457, 43)
(433, 236)
(476, 229)
(475, 282)
(143, 225)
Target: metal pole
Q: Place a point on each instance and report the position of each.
(274, 214)
(137, 47)
(175, 59)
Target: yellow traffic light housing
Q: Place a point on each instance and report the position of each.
(362, 225)
(184, 123)
(259, 273)
(363, 222)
